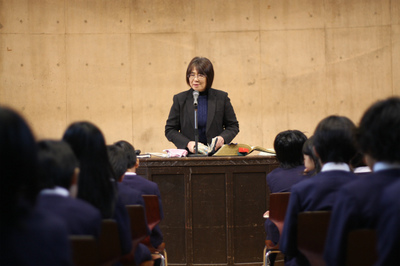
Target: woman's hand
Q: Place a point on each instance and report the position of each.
(219, 143)
(190, 146)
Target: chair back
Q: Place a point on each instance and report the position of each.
(138, 223)
(84, 250)
(109, 242)
(361, 247)
(152, 210)
(278, 203)
(312, 228)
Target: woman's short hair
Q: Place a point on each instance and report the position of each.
(203, 66)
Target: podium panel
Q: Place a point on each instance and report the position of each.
(213, 207)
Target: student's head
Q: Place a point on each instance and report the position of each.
(378, 134)
(130, 153)
(334, 139)
(96, 182)
(58, 165)
(18, 162)
(118, 160)
(311, 162)
(288, 146)
(202, 66)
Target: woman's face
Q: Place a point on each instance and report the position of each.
(308, 163)
(197, 81)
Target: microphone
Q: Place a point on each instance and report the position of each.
(195, 96)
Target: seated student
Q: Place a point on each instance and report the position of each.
(97, 184)
(288, 147)
(128, 196)
(357, 204)
(388, 228)
(144, 185)
(334, 146)
(311, 162)
(28, 236)
(58, 174)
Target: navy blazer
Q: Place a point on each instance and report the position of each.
(221, 118)
(316, 193)
(388, 226)
(147, 187)
(357, 206)
(80, 217)
(281, 180)
(40, 239)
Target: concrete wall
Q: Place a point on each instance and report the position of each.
(285, 64)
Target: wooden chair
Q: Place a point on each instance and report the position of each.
(84, 250)
(109, 243)
(153, 218)
(361, 247)
(138, 230)
(278, 203)
(312, 228)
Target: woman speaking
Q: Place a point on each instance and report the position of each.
(215, 114)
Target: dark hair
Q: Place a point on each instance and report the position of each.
(203, 66)
(57, 163)
(96, 182)
(118, 160)
(18, 162)
(129, 152)
(288, 147)
(308, 150)
(379, 131)
(334, 139)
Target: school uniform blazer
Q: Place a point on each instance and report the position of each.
(315, 194)
(147, 187)
(388, 229)
(281, 180)
(221, 118)
(40, 239)
(80, 217)
(357, 206)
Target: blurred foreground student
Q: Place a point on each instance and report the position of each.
(28, 236)
(357, 204)
(97, 183)
(58, 173)
(334, 146)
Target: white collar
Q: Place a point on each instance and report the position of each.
(130, 173)
(330, 166)
(380, 166)
(55, 191)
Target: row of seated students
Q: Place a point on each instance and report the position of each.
(356, 201)
(53, 189)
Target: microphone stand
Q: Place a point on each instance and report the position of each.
(196, 131)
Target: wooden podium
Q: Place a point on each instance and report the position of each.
(213, 207)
